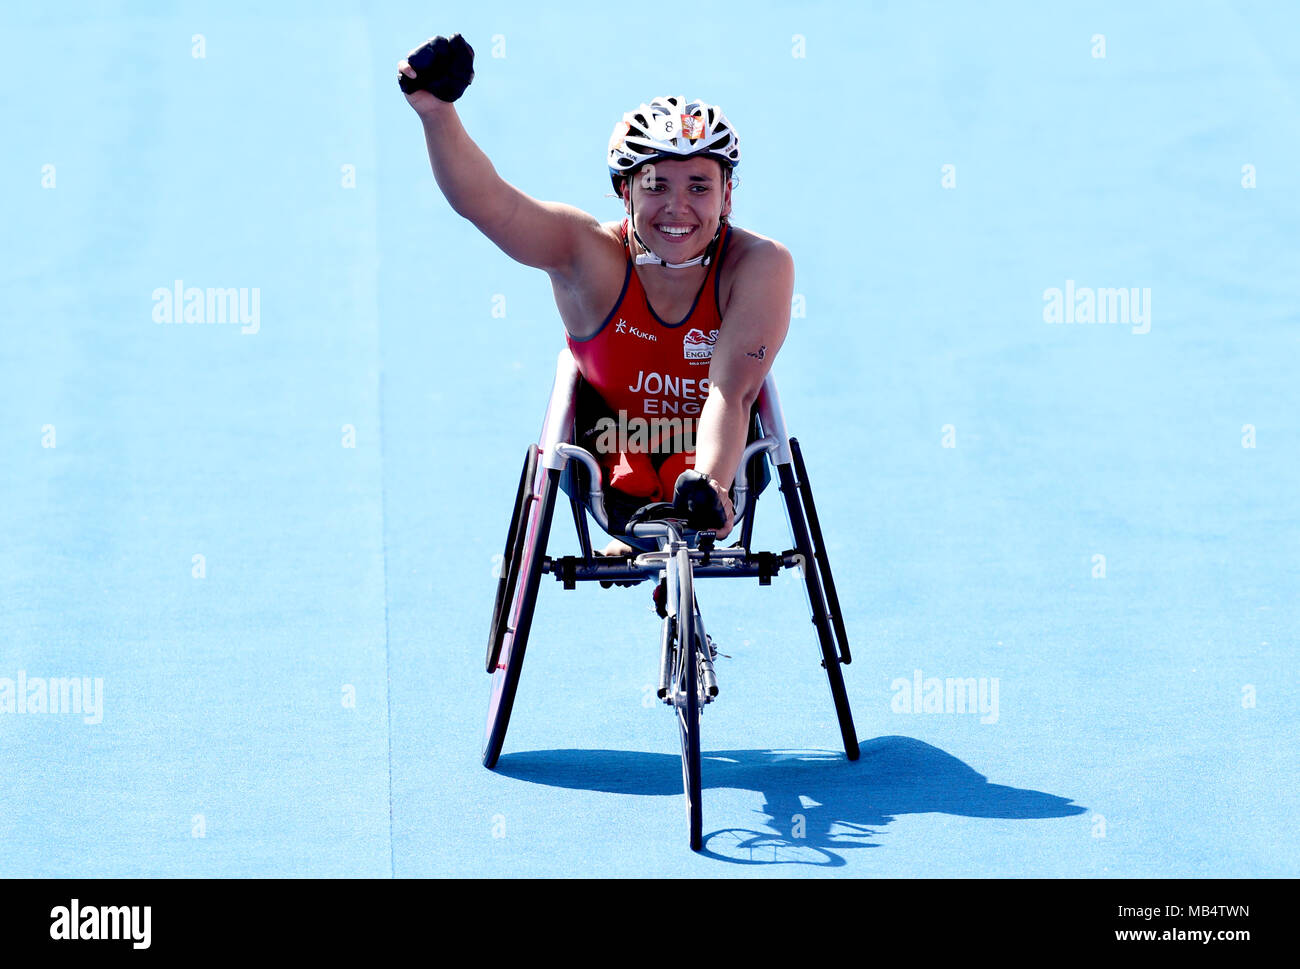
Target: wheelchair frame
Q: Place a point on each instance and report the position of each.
(687, 685)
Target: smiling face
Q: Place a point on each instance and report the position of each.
(677, 204)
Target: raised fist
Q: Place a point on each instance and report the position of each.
(441, 66)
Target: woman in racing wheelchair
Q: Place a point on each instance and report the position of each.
(670, 313)
(673, 318)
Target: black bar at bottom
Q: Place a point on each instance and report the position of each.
(917, 918)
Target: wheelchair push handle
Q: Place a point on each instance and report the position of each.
(561, 452)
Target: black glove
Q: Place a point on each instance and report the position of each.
(695, 499)
(443, 67)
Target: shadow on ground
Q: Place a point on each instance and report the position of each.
(842, 804)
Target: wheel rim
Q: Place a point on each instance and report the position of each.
(687, 699)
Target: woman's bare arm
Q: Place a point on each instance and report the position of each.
(755, 325)
(545, 235)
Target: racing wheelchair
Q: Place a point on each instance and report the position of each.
(680, 556)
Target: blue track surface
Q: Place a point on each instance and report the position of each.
(308, 697)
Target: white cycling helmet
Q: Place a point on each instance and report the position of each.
(671, 127)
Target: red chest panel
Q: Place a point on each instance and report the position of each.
(649, 368)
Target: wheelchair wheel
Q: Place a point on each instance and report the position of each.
(687, 699)
(510, 558)
(535, 526)
(817, 603)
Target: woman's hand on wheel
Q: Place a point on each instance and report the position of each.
(436, 73)
(705, 502)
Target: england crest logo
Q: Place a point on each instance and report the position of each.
(697, 345)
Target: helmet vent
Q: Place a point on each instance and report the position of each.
(650, 132)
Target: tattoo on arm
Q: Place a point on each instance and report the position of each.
(762, 352)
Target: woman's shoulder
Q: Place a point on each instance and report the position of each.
(751, 255)
(745, 246)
